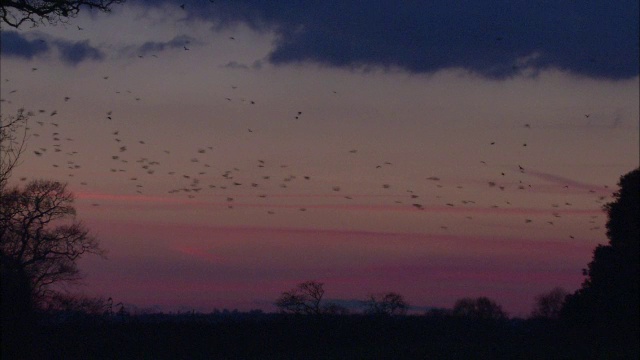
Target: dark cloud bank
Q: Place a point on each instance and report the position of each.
(14, 44)
(178, 42)
(492, 38)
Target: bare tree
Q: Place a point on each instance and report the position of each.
(81, 304)
(335, 309)
(303, 299)
(479, 308)
(549, 305)
(40, 236)
(16, 12)
(13, 139)
(386, 304)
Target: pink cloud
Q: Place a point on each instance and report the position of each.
(128, 198)
(199, 253)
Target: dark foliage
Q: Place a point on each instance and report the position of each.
(479, 308)
(549, 305)
(604, 312)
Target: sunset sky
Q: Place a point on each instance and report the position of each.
(225, 151)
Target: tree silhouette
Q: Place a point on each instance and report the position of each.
(17, 309)
(16, 12)
(623, 226)
(386, 304)
(39, 236)
(549, 305)
(335, 309)
(79, 304)
(478, 308)
(303, 299)
(607, 305)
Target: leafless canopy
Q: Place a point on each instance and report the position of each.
(386, 304)
(40, 236)
(16, 12)
(304, 299)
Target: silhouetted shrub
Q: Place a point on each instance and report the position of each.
(549, 305)
(386, 304)
(478, 308)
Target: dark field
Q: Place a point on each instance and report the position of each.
(276, 336)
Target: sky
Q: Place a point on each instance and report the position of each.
(224, 152)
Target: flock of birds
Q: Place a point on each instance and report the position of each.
(199, 175)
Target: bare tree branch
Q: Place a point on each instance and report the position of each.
(304, 299)
(386, 304)
(13, 141)
(16, 12)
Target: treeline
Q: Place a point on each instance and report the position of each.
(84, 328)
(259, 335)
